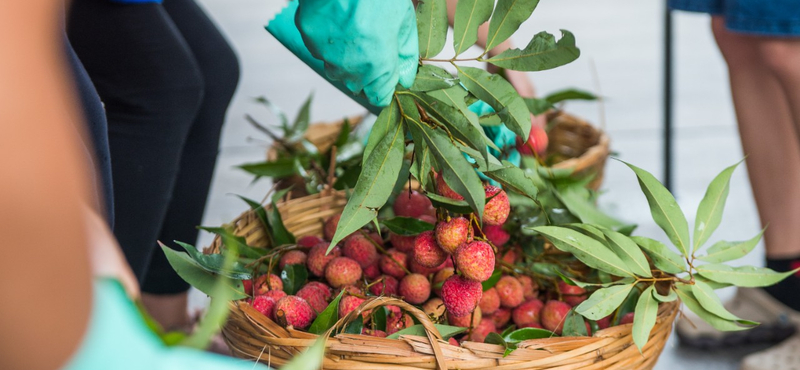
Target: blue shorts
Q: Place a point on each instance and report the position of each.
(759, 17)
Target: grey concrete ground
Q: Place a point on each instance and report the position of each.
(619, 39)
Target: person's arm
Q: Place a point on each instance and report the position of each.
(45, 277)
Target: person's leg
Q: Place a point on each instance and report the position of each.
(164, 291)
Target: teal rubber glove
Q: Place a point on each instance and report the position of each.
(500, 135)
(119, 339)
(370, 46)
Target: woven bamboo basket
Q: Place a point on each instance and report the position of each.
(251, 335)
(578, 145)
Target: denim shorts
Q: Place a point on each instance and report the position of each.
(758, 17)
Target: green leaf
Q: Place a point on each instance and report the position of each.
(258, 208)
(644, 317)
(603, 301)
(494, 338)
(627, 306)
(355, 326)
(276, 111)
(236, 244)
(387, 120)
(688, 298)
(448, 107)
(379, 318)
(629, 252)
(574, 325)
(470, 14)
(666, 212)
(671, 296)
(430, 77)
(375, 182)
(198, 277)
(407, 226)
(663, 258)
(508, 16)
(500, 95)
(452, 205)
(293, 277)
(311, 359)
(446, 331)
(279, 168)
(709, 212)
(723, 251)
(589, 251)
(708, 299)
(542, 53)
(516, 179)
(523, 334)
(569, 94)
(579, 205)
(344, 134)
(327, 317)
(300, 125)
(280, 235)
(570, 281)
(431, 27)
(745, 276)
(422, 165)
(492, 280)
(215, 263)
(713, 284)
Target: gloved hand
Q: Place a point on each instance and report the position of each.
(370, 46)
(501, 136)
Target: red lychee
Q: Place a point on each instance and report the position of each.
(426, 252)
(452, 234)
(497, 235)
(372, 271)
(510, 292)
(388, 286)
(434, 308)
(627, 318)
(444, 190)
(323, 289)
(317, 260)
(439, 279)
(294, 311)
(412, 204)
(404, 244)
(294, 257)
(349, 289)
(605, 322)
(348, 304)
(509, 256)
(264, 305)
(530, 289)
(329, 229)
(475, 260)
(536, 143)
(490, 301)
(398, 321)
(527, 312)
(483, 329)
(314, 296)
(571, 294)
(359, 248)
(415, 289)
(393, 263)
(535, 325)
(309, 241)
(275, 294)
(342, 271)
(469, 320)
(497, 209)
(267, 282)
(461, 295)
(501, 317)
(553, 315)
(374, 333)
(247, 285)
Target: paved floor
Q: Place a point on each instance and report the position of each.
(621, 60)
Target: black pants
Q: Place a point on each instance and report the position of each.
(166, 76)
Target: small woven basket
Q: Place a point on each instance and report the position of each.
(578, 145)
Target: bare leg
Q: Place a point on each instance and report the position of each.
(767, 128)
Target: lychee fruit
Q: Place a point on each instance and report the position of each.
(469, 320)
(483, 329)
(453, 341)
(535, 325)
(490, 301)
(359, 248)
(475, 260)
(402, 243)
(426, 252)
(605, 322)
(530, 289)
(439, 279)
(372, 271)
(501, 317)
(527, 312)
(349, 289)
(376, 238)
(497, 235)
(294, 257)
(264, 305)
(275, 294)
(536, 143)
(247, 285)
(267, 282)
(342, 271)
(374, 333)
(398, 321)
(510, 292)
(509, 256)
(497, 209)
(349, 303)
(415, 289)
(416, 268)
(444, 190)
(314, 296)
(309, 241)
(323, 289)
(571, 294)
(294, 311)
(412, 204)
(388, 286)
(318, 260)
(329, 229)
(553, 315)
(394, 263)
(434, 308)
(627, 318)
(461, 295)
(452, 234)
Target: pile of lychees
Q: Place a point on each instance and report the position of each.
(441, 271)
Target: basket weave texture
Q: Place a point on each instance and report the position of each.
(578, 145)
(252, 335)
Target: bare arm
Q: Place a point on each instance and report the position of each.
(45, 278)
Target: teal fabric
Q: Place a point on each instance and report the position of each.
(363, 47)
(500, 135)
(119, 339)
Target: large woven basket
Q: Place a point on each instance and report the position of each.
(578, 145)
(252, 335)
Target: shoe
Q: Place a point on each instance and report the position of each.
(785, 356)
(778, 322)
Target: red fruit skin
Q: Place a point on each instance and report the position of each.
(444, 190)
(510, 292)
(314, 296)
(376, 238)
(387, 287)
(440, 278)
(264, 305)
(470, 320)
(275, 294)
(348, 304)
(359, 248)
(553, 315)
(349, 289)
(497, 235)
(475, 260)
(452, 234)
(308, 242)
(411, 204)
(403, 244)
(530, 289)
(501, 317)
(267, 282)
(434, 308)
(572, 294)
(398, 321)
(391, 261)
(453, 341)
(509, 256)
(323, 289)
(498, 208)
(342, 271)
(415, 289)
(604, 323)
(294, 311)
(427, 252)
(461, 295)
(490, 301)
(294, 257)
(537, 142)
(372, 271)
(483, 329)
(248, 286)
(416, 268)
(627, 319)
(374, 333)
(329, 229)
(528, 312)
(317, 260)
(532, 325)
